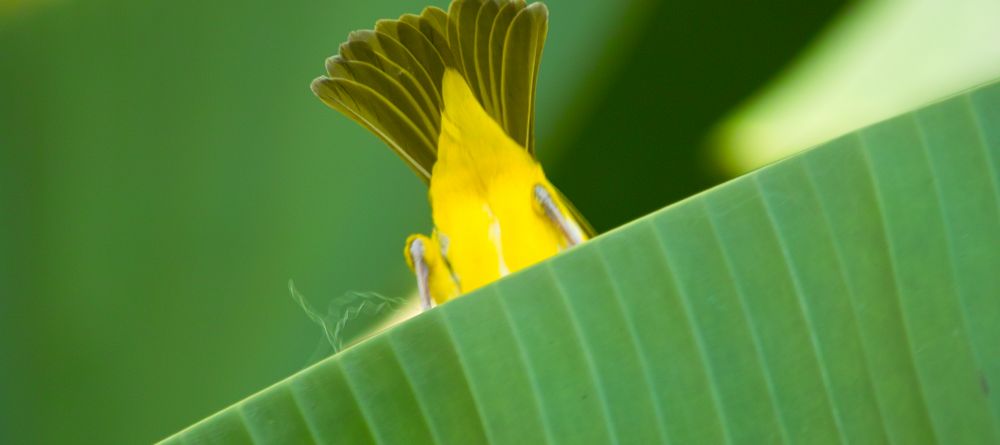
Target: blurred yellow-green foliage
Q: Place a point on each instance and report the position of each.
(876, 60)
(164, 171)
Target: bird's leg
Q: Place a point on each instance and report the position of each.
(567, 226)
(416, 251)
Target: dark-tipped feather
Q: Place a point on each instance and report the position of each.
(481, 49)
(389, 79)
(498, 34)
(394, 84)
(373, 111)
(522, 54)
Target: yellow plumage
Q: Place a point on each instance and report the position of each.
(481, 195)
(453, 94)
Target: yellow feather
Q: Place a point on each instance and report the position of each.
(494, 211)
(481, 194)
(439, 279)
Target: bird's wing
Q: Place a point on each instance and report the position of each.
(389, 79)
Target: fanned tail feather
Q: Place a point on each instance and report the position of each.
(389, 79)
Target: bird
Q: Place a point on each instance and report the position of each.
(453, 94)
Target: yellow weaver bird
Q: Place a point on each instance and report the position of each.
(452, 93)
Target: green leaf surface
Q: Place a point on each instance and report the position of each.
(847, 294)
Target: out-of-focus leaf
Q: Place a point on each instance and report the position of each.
(879, 59)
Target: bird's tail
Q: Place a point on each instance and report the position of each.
(389, 79)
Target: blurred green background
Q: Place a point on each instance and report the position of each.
(164, 171)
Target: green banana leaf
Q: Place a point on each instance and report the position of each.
(850, 293)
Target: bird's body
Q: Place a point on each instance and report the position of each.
(453, 94)
(481, 195)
